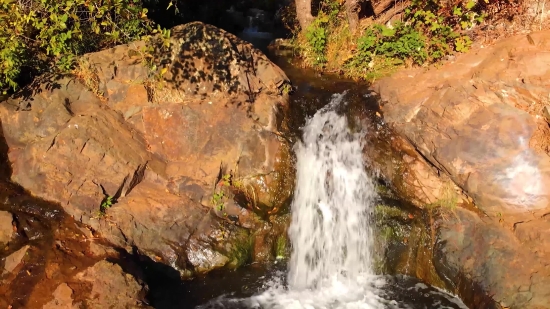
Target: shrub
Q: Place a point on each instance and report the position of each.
(318, 32)
(429, 32)
(443, 25)
(316, 35)
(37, 36)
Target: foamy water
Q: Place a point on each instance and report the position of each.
(331, 259)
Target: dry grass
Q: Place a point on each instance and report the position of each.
(340, 47)
(86, 73)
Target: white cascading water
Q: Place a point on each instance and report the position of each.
(330, 264)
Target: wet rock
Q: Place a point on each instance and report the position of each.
(6, 227)
(138, 157)
(13, 260)
(108, 287)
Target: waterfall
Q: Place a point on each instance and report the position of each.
(332, 239)
(330, 264)
(330, 233)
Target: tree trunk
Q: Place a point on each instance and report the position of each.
(353, 8)
(303, 13)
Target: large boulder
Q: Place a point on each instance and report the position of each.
(478, 128)
(139, 149)
(480, 121)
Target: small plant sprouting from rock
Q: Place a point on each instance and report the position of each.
(225, 182)
(287, 88)
(217, 200)
(87, 74)
(107, 203)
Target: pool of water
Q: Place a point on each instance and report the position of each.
(237, 289)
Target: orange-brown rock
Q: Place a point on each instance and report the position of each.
(478, 123)
(154, 143)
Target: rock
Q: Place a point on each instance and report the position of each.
(473, 134)
(109, 287)
(492, 257)
(14, 260)
(62, 298)
(477, 120)
(156, 145)
(101, 250)
(6, 227)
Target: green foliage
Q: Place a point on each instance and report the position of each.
(241, 249)
(402, 42)
(316, 35)
(217, 200)
(226, 182)
(107, 203)
(287, 89)
(443, 25)
(317, 32)
(281, 247)
(332, 9)
(47, 35)
(381, 48)
(429, 32)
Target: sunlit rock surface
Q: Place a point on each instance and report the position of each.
(138, 154)
(479, 122)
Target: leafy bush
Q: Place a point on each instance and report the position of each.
(382, 47)
(43, 35)
(316, 35)
(429, 32)
(444, 25)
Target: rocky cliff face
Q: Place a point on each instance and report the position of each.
(477, 127)
(150, 153)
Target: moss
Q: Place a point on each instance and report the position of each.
(385, 212)
(281, 247)
(241, 249)
(383, 190)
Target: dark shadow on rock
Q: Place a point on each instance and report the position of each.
(164, 283)
(44, 82)
(202, 59)
(161, 280)
(42, 225)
